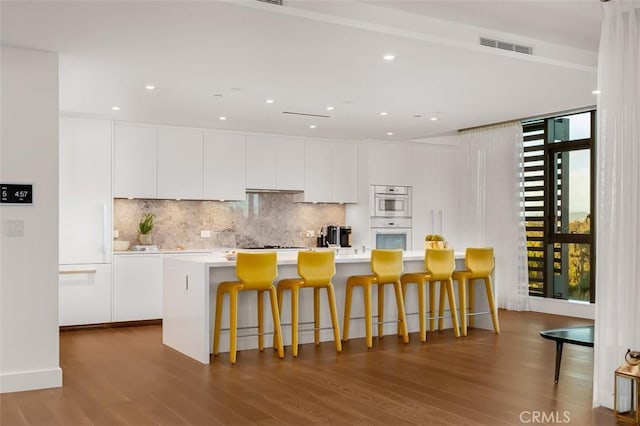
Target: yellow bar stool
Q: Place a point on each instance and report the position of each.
(255, 271)
(479, 266)
(386, 266)
(439, 265)
(316, 269)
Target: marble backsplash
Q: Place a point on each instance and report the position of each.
(262, 219)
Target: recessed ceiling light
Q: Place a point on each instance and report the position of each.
(236, 89)
(222, 118)
(312, 126)
(150, 87)
(389, 57)
(115, 108)
(596, 92)
(417, 116)
(270, 101)
(330, 108)
(434, 119)
(218, 95)
(389, 133)
(384, 113)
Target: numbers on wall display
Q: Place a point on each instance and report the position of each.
(11, 193)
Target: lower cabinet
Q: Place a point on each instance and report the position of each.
(137, 287)
(84, 294)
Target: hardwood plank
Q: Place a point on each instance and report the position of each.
(124, 376)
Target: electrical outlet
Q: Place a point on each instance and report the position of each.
(14, 228)
(116, 234)
(310, 233)
(205, 234)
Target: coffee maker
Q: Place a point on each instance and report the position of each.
(332, 236)
(345, 236)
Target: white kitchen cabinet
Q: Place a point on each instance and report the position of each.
(85, 191)
(390, 164)
(180, 163)
(224, 166)
(436, 195)
(137, 287)
(330, 173)
(275, 162)
(84, 294)
(135, 161)
(344, 173)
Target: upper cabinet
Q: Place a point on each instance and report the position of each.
(180, 163)
(135, 161)
(225, 163)
(330, 172)
(85, 190)
(390, 164)
(275, 162)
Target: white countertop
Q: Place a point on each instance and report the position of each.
(290, 257)
(195, 251)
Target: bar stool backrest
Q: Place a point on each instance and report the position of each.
(479, 261)
(386, 265)
(257, 270)
(316, 267)
(439, 263)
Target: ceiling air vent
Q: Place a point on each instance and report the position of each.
(278, 2)
(505, 45)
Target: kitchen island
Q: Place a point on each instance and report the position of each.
(189, 297)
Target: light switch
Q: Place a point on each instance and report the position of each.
(205, 234)
(14, 228)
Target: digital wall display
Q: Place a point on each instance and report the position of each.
(16, 193)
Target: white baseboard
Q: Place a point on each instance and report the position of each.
(30, 380)
(567, 308)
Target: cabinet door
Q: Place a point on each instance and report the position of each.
(290, 164)
(390, 164)
(179, 163)
(317, 172)
(261, 162)
(85, 190)
(84, 294)
(135, 161)
(344, 173)
(224, 166)
(137, 287)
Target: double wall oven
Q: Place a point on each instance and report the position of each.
(390, 223)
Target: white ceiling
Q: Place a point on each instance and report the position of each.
(310, 54)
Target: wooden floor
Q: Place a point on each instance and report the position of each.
(126, 376)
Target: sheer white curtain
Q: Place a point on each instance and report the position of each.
(492, 206)
(618, 195)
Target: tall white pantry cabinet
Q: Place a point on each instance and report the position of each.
(85, 224)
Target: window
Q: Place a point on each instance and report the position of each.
(558, 188)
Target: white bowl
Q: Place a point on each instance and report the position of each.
(119, 245)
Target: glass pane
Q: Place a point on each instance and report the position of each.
(572, 192)
(391, 241)
(572, 271)
(570, 128)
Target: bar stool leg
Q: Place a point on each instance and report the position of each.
(275, 312)
(334, 317)
(380, 310)
(452, 308)
(471, 303)
(260, 320)
(367, 314)
(443, 290)
(279, 291)
(492, 305)
(422, 317)
(295, 293)
(347, 311)
(316, 315)
(403, 285)
(233, 324)
(432, 306)
(463, 305)
(402, 317)
(217, 323)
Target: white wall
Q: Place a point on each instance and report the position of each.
(29, 264)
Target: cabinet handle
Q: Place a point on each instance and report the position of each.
(186, 280)
(78, 271)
